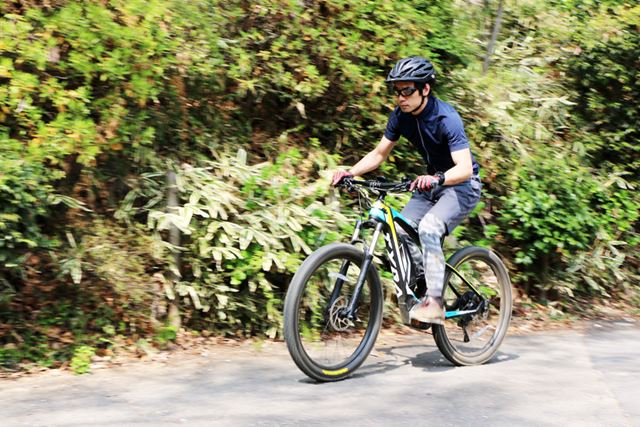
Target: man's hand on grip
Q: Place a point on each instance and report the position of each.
(339, 176)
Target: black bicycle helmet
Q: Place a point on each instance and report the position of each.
(412, 69)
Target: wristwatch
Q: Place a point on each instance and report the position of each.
(440, 176)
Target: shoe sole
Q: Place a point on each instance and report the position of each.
(432, 320)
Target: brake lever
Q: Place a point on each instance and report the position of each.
(347, 184)
(406, 183)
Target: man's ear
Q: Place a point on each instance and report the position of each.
(427, 89)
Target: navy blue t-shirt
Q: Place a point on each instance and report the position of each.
(436, 132)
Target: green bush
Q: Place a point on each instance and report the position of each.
(246, 229)
(95, 94)
(604, 71)
(558, 219)
(74, 83)
(24, 185)
(166, 334)
(105, 281)
(81, 361)
(550, 210)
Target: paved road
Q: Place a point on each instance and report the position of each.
(585, 378)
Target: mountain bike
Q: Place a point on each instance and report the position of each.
(333, 309)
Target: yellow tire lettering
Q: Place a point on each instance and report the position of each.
(335, 373)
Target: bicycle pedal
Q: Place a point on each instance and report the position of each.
(416, 324)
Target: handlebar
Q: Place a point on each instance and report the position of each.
(379, 184)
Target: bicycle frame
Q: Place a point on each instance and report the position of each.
(384, 219)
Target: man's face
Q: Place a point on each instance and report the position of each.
(410, 102)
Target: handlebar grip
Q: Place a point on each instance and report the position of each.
(376, 184)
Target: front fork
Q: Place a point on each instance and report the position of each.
(368, 258)
(352, 307)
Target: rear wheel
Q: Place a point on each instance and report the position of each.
(324, 342)
(476, 281)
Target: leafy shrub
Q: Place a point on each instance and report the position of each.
(550, 210)
(104, 282)
(298, 70)
(23, 187)
(73, 84)
(604, 71)
(166, 334)
(246, 229)
(81, 361)
(93, 93)
(124, 258)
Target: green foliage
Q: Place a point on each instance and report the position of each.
(606, 74)
(23, 185)
(81, 361)
(549, 210)
(311, 69)
(246, 230)
(74, 84)
(125, 258)
(94, 93)
(545, 200)
(166, 334)
(103, 283)
(9, 357)
(600, 271)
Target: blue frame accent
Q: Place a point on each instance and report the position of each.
(450, 314)
(379, 214)
(397, 214)
(457, 313)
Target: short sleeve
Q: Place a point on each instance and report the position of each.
(392, 132)
(454, 130)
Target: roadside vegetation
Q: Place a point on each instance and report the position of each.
(165, 165)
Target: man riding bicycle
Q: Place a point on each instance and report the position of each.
(451, 188)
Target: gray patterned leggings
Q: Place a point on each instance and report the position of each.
(437, 214)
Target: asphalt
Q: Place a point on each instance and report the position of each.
(583, 377)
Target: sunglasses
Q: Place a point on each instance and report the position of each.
(405, 91)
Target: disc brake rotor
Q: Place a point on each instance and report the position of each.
(337, 315)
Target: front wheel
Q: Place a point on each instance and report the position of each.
(324, 340)
(477, 283)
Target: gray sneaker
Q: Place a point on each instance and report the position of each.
(429, 310)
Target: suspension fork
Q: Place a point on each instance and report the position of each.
(337, 287)
(368, 258)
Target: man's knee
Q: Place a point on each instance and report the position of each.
(431, 228)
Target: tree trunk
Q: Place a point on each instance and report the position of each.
(173, 316)
(494, 36)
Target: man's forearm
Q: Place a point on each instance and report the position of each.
(457, 174)
(463, 168)
(368, 163)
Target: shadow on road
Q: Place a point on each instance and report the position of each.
(394, 357)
